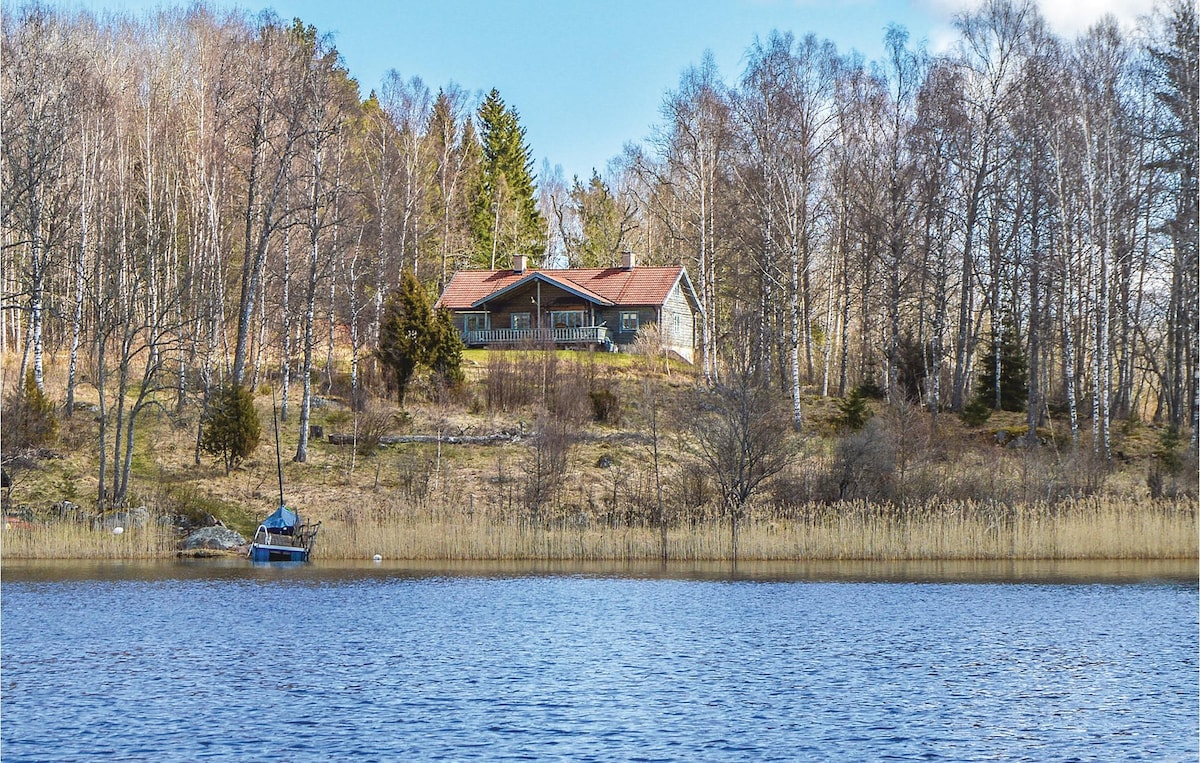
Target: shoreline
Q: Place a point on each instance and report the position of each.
(1083, 530)
(1030, 572)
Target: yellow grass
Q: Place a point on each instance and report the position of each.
(1079, 530)
(1086, 529)
(67, 540)
(367, 507)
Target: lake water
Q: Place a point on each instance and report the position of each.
(186, 661)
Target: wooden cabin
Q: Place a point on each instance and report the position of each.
(574, 307)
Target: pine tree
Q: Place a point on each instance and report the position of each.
(602, 225)
(504, 215)
(230, 428)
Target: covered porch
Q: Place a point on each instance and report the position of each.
(536, 310)
(575, 335)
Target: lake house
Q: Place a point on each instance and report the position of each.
(574, 307)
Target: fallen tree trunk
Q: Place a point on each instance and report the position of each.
(496, 438)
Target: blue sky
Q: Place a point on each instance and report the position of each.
(587, 76)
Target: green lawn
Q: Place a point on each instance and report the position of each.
(609, 359)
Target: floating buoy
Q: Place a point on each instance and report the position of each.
(118, 530)
(377, 559)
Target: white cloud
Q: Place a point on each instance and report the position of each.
(1066, 18)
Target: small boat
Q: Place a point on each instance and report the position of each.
(283, 537)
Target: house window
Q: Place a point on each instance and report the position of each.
(522, 321)
(629, 321)
(475, 321)
(566, 319)
(678, 324)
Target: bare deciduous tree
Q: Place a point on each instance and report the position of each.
(740, 435)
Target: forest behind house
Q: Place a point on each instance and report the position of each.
(197, 201)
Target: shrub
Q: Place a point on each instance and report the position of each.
(854, 410)
(230, 427)
(1173, 474)
(976, 412)
(864, 465)
(508, 384)
(606, 409)
(569, 395)
(371, 427)
(546, 464)
(445, 352)
(29, 420)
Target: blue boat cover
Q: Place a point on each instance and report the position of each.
(282, 520)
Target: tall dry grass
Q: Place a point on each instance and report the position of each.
(961, 531)
(69, 540)
(1084, 529)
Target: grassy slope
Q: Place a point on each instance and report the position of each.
(337, 483)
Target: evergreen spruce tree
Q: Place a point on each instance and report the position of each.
(854, 410)
(406, 332)
(1012, 390)
(445, 352)
(976, 412)
(504, 215)
(29, 419)
(412, 335)
(230, 428)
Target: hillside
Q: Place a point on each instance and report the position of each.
(486, 451)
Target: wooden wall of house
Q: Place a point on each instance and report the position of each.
(679, 334)
(611, 317)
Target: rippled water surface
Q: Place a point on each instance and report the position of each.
(244, 663)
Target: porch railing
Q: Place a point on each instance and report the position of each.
(576, 335)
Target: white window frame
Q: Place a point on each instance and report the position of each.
(630, 325)
(571, 319)
(520, 321)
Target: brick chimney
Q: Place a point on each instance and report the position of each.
(518, 263)
(628, 261)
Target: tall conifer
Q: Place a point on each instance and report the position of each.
(406, 332)
(504, 216)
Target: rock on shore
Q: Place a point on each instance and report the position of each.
(215, 538)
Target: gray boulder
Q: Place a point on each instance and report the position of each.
(68, 511)
(217, 538)
(139, 517)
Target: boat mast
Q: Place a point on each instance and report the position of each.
(278, 462)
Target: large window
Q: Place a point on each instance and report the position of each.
(566, 319)
(475, 321)
(629, 320)
(522, 321)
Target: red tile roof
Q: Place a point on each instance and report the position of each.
(637, 286)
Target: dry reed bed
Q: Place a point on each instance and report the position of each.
(1084, 529)
(66, 540)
